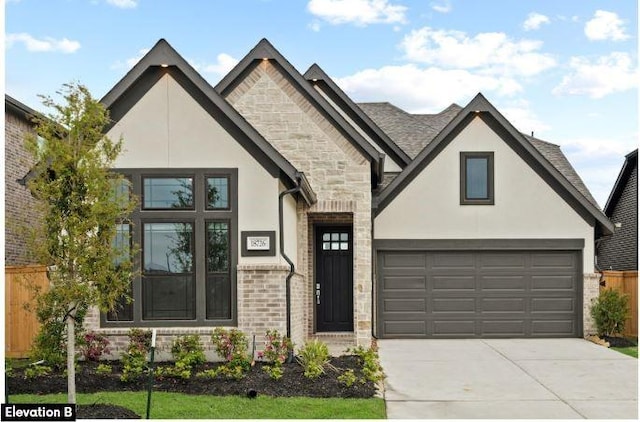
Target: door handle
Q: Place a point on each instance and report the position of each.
(317, 293)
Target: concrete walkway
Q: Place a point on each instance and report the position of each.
(507, 379)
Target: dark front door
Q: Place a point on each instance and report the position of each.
(334, 278)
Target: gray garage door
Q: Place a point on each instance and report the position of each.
(467, 294)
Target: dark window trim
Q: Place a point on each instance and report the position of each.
(490, 200)
(272, 243)
(200, 215)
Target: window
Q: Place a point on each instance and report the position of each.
(476, 178)
(168, 193)
(335, 241)
(186, 229)
(217, 193)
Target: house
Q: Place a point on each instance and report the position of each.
(619, 252)
(20, 207)
(273, 201)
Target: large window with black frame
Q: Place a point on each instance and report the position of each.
(185, 226)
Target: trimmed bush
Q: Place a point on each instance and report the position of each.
(609, 311)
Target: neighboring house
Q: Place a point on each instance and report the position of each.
(619, 252)
(273, 201)
(19, 204)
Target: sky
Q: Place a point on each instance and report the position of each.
(565, 70)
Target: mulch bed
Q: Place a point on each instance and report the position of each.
(293, 383)
(619, 341)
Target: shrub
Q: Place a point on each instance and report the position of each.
(232, 346)
(371, 369)
(348, 377)
(187, 353)
(104, 369)
(94, 346)
(34, 371)
(313, 357)
(609, 311)
(50, 344)
(276, 351)
(134, 360)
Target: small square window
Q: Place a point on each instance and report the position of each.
(476, 178)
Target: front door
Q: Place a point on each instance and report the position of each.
(334, 278)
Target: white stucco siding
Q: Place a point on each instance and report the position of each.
(167, 128)
(526, 207)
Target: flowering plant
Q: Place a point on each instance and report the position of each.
(95, 345)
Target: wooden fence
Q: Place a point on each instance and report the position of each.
(625, 282)
(20, 324)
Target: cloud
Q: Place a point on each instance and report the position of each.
(489, 52)
(223, 65)
(520, 115)
(605, 26)
(46, 44)
(123, 4)
(599, 78)
(534, 21)
(442, 6)
(422, 90)
(358, 12)
(131, 61)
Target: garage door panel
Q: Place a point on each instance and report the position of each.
(512, 328)
(553, 282)
(452, 260)
(449, 283)
(405, 283)
(405, 328)
(405, 305)
(463, 305)
(408, 260)
(553, 305)
(510, 283)
(479, 294)
(501, 260)
(542, 328)
(555, 260)
(466, 328)
(491, 305)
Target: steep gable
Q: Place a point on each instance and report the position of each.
(263, 60)
(163, 61)
(356, 117)
(480, 107)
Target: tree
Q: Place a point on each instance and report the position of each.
(81, 208)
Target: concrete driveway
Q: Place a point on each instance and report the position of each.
(507, 379)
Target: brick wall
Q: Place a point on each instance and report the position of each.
(339, 175)
(19, 204)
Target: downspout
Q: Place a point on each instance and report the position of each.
(292, 267)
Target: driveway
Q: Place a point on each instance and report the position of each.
(507, 379)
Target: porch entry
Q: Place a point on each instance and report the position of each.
(334, 278)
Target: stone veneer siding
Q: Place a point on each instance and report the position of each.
(20, 206)
(590, 291)
(338, 173)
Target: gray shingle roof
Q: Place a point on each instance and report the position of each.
(412, 132)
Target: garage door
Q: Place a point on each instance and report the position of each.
(467, 294)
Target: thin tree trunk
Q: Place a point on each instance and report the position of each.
(71, 352)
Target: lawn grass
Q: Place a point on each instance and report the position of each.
(629, 351)
(183, 406)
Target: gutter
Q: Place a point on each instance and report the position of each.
(292, 267)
